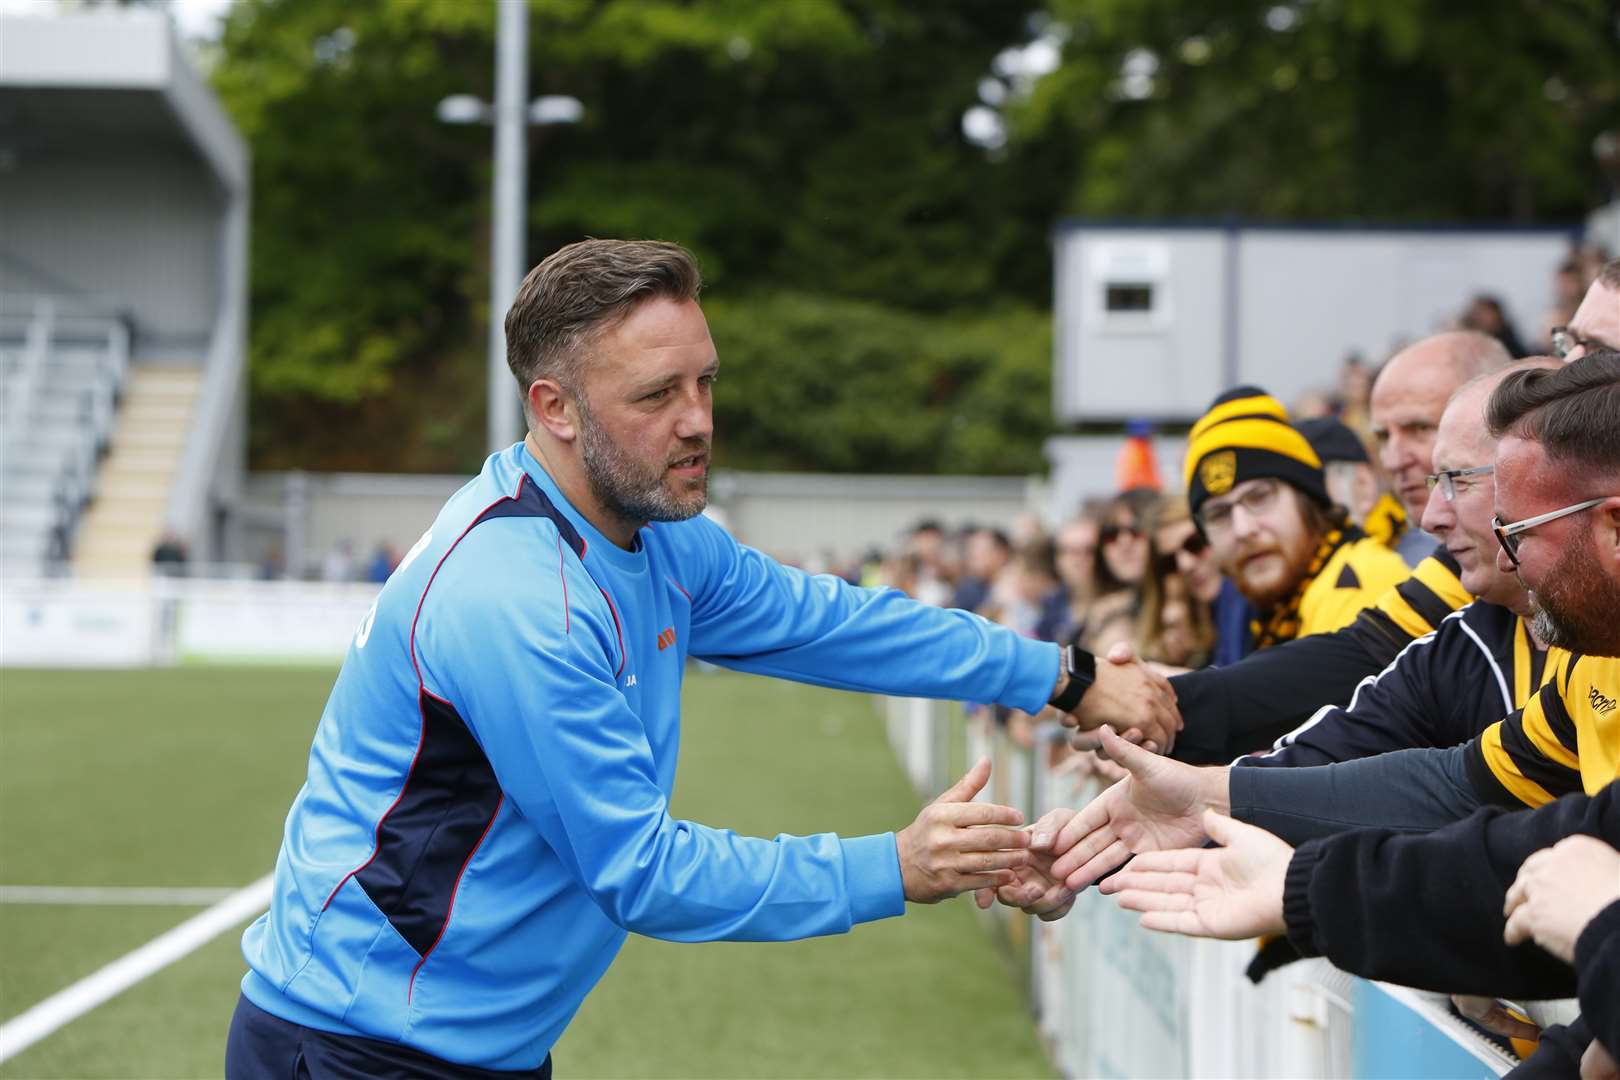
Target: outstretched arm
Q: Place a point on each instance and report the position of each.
(1426, 911)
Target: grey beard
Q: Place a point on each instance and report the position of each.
(1592, 635)
(626, 489)
(1585, 621)
(1548, 630)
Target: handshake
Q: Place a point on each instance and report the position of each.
(957, 845)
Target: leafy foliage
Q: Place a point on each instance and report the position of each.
(1415, 110)
(851, 386)
(873, 278)
(811, 146)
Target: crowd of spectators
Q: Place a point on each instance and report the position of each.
(1428, 563)
(1423, 761)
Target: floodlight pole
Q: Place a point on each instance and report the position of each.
(509, 224)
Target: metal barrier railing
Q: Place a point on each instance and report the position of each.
(68, 471)
(1112, 999)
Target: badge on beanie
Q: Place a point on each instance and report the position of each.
(1217, 471)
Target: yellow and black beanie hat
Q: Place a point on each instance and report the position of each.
(1246, 435)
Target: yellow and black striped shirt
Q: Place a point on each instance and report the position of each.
(1249, 705)
(1418, 604)
(1360, 574)
(1567, 739)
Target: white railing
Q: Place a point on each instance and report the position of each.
(1112, 999)
(98, 406)
(64, 459)
(22, 385)
(160, 621)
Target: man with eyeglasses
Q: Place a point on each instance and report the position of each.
(1407, 399)
(1483, 661)
(1256, 489)
(1596, 323)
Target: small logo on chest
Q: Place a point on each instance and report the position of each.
(630, 681)
(666, 639)
(1602, 705)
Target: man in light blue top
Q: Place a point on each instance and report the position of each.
(486, 810)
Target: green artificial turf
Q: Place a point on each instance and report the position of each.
(183, 777)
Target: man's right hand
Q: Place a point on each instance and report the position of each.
(1159, 807)
(1234, 891)
(1127, 696)
(957, 845)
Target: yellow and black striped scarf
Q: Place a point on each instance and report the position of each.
(1283, 622)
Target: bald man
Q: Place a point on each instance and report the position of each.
(1408, 397)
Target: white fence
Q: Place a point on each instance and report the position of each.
(64, 623)
(1114, 1000)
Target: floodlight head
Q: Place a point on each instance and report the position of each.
(556, 109)
(463, 109)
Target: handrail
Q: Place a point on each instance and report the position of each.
(71, 478)
(1113, 998)
(24, 385)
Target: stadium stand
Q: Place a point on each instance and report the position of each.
(61, 373)
(123, 268)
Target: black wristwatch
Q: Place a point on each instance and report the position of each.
(1081, 668)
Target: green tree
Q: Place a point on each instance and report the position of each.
(811, 147)
(1330, 109)
(816, 382)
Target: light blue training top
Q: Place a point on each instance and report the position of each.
(486, 812)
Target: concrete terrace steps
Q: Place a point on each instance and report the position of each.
(133, 484)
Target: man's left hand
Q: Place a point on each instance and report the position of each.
(1558, 891)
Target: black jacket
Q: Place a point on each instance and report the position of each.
(1442, 690)
(1426, 911)
(1246, 706)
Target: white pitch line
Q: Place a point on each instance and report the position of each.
(24, 1030)
(111, 895)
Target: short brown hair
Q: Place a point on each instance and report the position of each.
(1610, 275)
(1573, 410)
(581, 290)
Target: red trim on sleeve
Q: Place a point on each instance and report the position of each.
(623, 656)
(563, 577)
(421, 688)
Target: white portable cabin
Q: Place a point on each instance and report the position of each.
(1154, 320)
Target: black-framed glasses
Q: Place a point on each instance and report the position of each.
(1509, 535)
(1446, 479)
(1216, 516)
(1566, 341)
